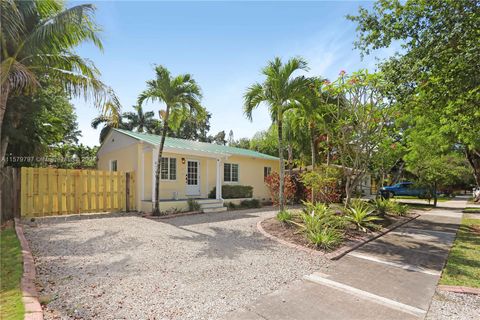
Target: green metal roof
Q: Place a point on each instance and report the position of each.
(183, 144)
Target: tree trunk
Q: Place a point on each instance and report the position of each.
(314, 154)
(328, 150)
(156, 211)
(473, 157)
(290, 159)
(435, 199)
(5, 90)
(348, 191)
(282, 164)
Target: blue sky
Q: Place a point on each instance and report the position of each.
(223, 44)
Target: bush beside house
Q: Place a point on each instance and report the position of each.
(233, 192)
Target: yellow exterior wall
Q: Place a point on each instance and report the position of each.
(126, 159)
(250, 173)
(129, 159)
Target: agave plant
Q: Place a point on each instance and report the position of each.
(382, 206)
(284, 216)
(362, 215)
(326, 238)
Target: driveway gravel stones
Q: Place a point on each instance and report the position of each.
(454, 306)
(128, 267)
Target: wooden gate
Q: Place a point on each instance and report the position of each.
(48, 191)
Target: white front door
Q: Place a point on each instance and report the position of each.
(193, 178)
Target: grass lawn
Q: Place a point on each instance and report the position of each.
(472, 210)
(463, 265)
(11, 270)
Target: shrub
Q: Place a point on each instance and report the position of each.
(321, 215)
(253, 203)
(361, 214)
(233, 192)
(231, 206)
(284, 216)
(325, 182)
(273, 183)
(382, 206)
(325, 238)
(193, 205)
(398, 209)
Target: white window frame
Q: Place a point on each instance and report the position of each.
(269, 172)
(169, 159)
(230, 178)
(116, 165)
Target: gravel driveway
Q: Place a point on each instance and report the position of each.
(129, 267)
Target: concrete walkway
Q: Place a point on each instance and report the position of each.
(393, 277)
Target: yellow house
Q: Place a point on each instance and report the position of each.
(190, 169)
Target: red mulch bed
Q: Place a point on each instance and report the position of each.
(290, 233)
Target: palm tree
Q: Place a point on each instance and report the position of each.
(281, 92)
(141, 121)
(181, 96)
(108, 124)
(37, 39)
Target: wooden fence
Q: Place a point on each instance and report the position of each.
(47, 191)
(9, 194)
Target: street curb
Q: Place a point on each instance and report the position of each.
(337, 254)
(459, 289)
(33, 309)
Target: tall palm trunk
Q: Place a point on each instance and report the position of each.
(5, 90)
(282, 164)
(156, 211)
(314, 153)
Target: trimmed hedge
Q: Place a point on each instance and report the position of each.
(233, 192)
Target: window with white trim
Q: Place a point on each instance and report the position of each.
(230, 172)
(113, 165)
(168, 169)
(266, 172)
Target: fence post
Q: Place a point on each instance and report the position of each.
(127, 191)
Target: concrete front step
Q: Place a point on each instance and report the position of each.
(210, 210)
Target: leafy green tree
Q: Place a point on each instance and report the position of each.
(181, 96)
(48, 120)
(360, 118)
(219, 138)
(436, 73)
(139, 120)
(243, 143)
(37, 39)
(192, 127)
(281, 91)
(266, 141)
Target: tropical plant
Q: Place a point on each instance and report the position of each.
(316, 216)
(398, 208)
(193, 205)
(382, 206)
(181, 96)
(326, 181)
(274, 182)
(362, 215)
(284, 216)
(37, 39)
(281, 91)
(141, 121)
(325, 238)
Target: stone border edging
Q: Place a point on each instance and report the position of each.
(459, 289)
(337, 254)
(33, 309)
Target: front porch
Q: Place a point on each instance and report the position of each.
(181, 205)
(189, 175)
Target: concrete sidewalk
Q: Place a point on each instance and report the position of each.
(392, 277)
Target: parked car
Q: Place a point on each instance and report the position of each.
(404, 189)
